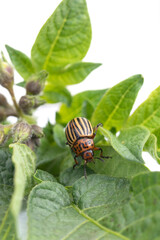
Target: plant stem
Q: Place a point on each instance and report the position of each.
(19, 112)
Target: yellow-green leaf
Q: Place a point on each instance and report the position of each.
(21, 62)
(148, 113)
(115, 106)
(64, 38)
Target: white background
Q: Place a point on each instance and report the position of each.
(125, 39)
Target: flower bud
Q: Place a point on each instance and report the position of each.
(36, 82)
(22, 132)
(3, 101)
(33, 88)
(37, 133)
(27, 103)
(6, 74)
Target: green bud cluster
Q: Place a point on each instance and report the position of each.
(27, 103)
(21, 132)
(32, 100)
(26, 133)
(34, 87)
(6, 81)
(6, 75)
(35, 84)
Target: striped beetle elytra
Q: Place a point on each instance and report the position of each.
(80, 135)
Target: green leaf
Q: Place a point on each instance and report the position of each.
(134, 139)
(7, 222)
(48, 132)
(95, 185)
(21, 84)
(115, 106)
(59, 135)
(143, 181)
(116, 166)
(50, 218)
(54, 94)
(151, 147)
(157, 134)
(52, 158)
(87, 109)
(44, 200)
(11, 199)
(139, 218)
(70, 175)
(41, 176)
(77, 106)
(148, 113)
(24, 161)
(64, 38)
(21, 62)
(124, 151)
(6, 167)
(71, 73)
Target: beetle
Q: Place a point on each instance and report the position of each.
(80, 135)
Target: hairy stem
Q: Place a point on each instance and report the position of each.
(19, 112)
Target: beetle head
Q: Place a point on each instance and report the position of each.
(88, 155)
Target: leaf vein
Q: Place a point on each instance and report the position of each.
(150, 116)
(118, 104)
(139, 220)
(98, 224)
(75, 229)
(54, 43)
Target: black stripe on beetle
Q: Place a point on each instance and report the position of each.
(86, 125)
(69, 140)
(80, 123)
(78, 127)
(75, 129)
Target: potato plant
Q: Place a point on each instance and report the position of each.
(120, 199)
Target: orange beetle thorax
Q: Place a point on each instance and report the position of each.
(82, 145)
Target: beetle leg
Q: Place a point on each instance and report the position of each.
(99, 159)
(85, 173)
(76, 162)
(101, 154)
(96, 128)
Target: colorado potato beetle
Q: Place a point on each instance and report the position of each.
(80, 135)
